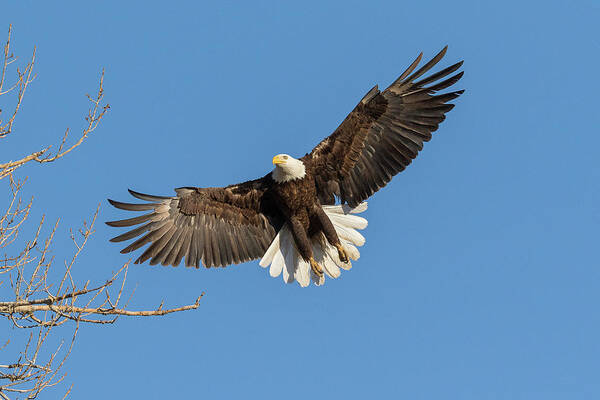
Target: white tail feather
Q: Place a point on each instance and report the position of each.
(278, 264)
(302, 271)
(270, 253)
(283, 256)
(331, 269)
(352, 251)
(350, 235)
(351, 221)
(288, 249)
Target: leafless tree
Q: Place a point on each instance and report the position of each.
(32, 299)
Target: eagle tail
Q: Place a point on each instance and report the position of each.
(284, 259)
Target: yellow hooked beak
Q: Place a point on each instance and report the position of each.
(278, 160)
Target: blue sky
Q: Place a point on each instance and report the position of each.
(479, 278)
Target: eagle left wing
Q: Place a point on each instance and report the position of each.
(383, 134)
(215, 226)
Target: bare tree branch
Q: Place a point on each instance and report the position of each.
(24, 78)
(32, 299)
(96, 112)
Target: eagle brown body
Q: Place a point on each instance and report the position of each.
(300, 207)
(296, 198)
(238, 223)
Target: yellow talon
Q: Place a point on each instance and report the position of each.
(316, 268)
(342, 253)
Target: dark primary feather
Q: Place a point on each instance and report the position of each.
(383, 134)
(212, 226)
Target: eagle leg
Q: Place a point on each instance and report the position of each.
(342, 253)
(316, 268)
(330, 233)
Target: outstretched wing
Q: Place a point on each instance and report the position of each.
(218, 226)
(383, 134)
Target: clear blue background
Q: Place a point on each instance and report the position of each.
(479, 278)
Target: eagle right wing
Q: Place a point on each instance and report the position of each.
(215, 226)
(383, 134)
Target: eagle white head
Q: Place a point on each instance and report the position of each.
(287, 168)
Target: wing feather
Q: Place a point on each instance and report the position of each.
(192, 258)
(156, 250)
(215, 226)
(207, 254)
(131, 221)
(383, 134)
(169, 252)
(185, 245)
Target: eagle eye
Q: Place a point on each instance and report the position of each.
(285, 157)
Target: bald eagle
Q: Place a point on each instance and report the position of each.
(289, 218)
